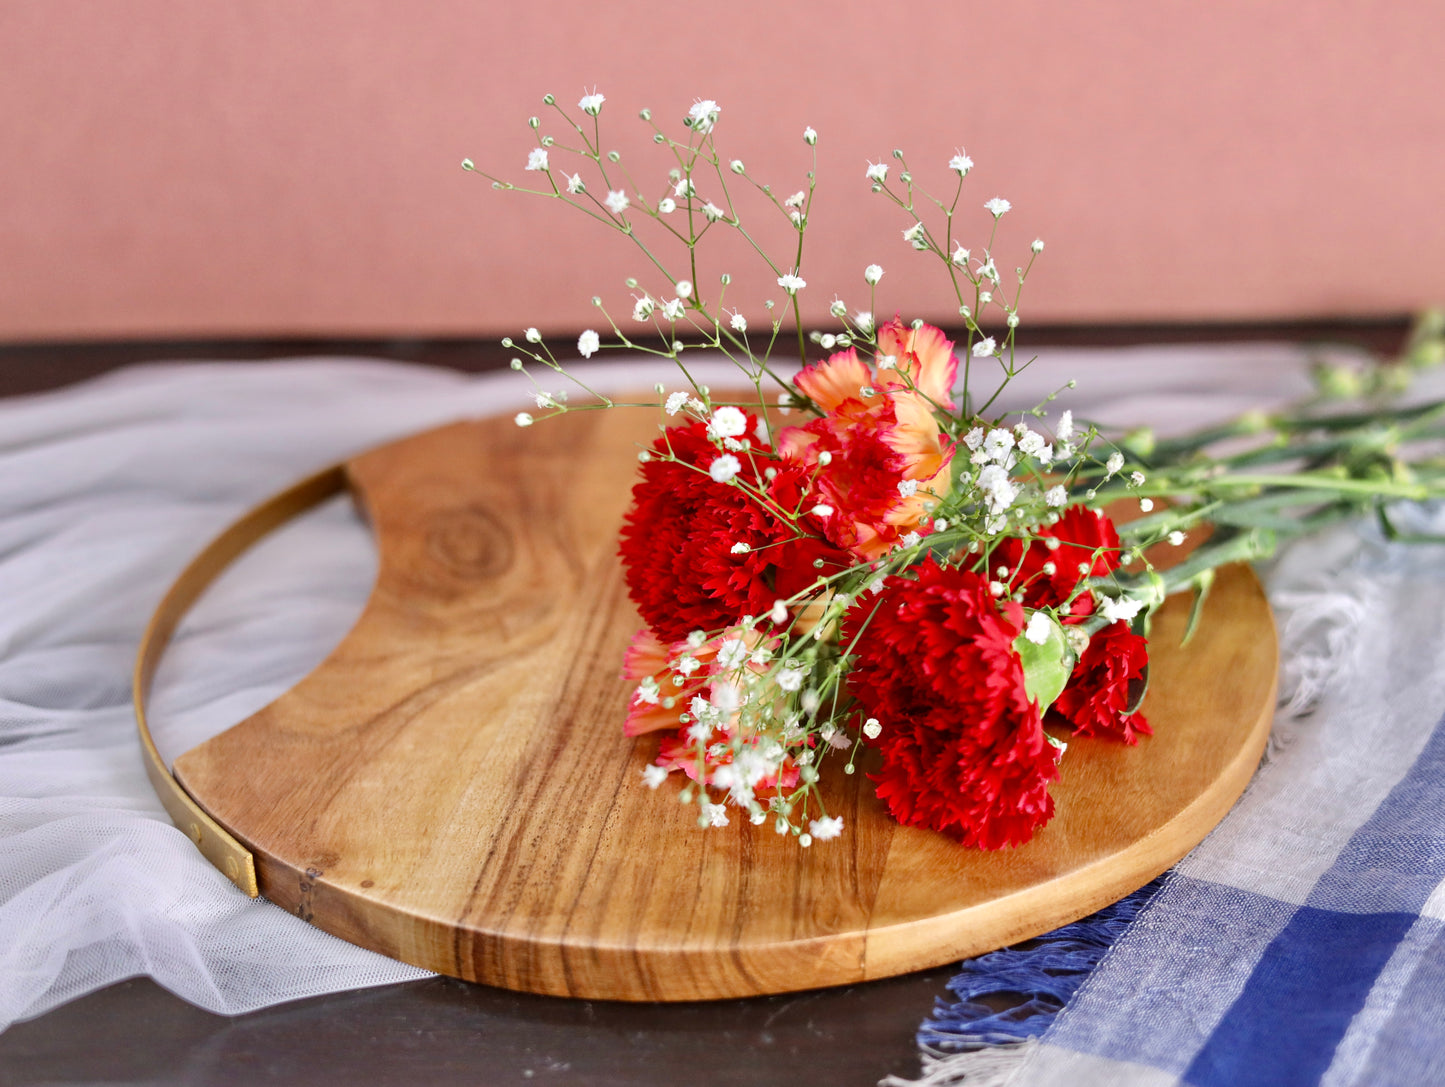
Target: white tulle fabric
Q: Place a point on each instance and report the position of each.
(109, 488)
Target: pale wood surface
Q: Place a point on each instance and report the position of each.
(452, 787)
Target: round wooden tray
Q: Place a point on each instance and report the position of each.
(451, 786)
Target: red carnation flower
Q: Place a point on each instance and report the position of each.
(1085, 538)
(677, 540)
(1099, 690)
(963, 749)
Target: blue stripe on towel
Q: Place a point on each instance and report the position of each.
(1314, 977)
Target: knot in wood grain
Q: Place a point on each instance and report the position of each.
(471, 543)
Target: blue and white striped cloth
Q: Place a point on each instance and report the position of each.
(1304, 941)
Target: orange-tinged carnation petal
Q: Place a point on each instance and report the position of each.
(646, 655)
(834, 380)
(915, 435)
(924, 354)
(644, 717)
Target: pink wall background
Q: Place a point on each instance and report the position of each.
(198, 168)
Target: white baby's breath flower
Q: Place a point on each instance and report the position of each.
(588, 343)
(998, 489)
(574, 184)
(713, 212)
(616, 201)
(1056, 497)
(810, 137)
(703, 114)
(960, 255)
(914, 236)
(728, 422)
(1122, 609)
(1038, 246)
(1031, 443)
(667, 205)
(537, 159)
(998, 444)
(738, 322)
(739, 548)
(1039, 628)
(791, 678)
(974, 438)
(1176, 537)
(997, 206)
(877, 171)
(673, 309)
(1114, 463)
(872, 274)
(532, 336)
(960, 163)
(779, 614)
(724, 468)
(522, 418)
(1146, 504)
(591, 104)
(653, 775)
(642, 308)
(791, 282)
(683, 287)
(822, 509)
(908, 487)
(684, 188)
(1065, 430)
(675, 403)
(648, 692)
(717, 815)
(910, 539)
(984, 348)
(733, 653)
(830, 826)
(864, 320)
(872, 728)
(796, 200)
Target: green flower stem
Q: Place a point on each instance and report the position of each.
(1151, 586)
(1374, 488)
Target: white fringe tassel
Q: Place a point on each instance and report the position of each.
(992, 1066)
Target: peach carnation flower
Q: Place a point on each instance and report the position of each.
(659, 702)
(886, 457)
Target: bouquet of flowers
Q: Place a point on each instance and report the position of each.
(862, 559)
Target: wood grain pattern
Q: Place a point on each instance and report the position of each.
(451, 786)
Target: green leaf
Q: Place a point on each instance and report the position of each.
(1202, 584)
(1047, 667)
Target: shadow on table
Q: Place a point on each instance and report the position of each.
(441, 1032)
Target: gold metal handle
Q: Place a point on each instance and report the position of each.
(216, 844)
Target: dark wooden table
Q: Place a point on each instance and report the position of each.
(441, 1032)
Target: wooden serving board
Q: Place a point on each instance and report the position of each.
(452, 787)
